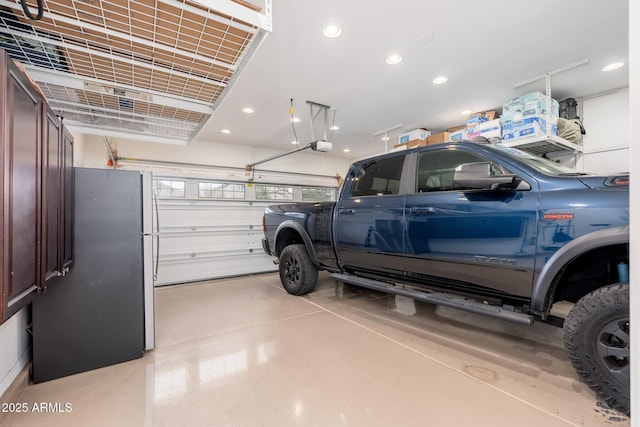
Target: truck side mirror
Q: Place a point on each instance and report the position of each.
(480, 176)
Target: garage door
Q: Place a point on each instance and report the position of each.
(213, 229)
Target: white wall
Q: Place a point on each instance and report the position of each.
(90, 151)
(15, 344)
(606, 143)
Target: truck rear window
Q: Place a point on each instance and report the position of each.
(379, 177)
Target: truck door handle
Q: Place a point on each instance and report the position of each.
(347, 211)
(422, 211)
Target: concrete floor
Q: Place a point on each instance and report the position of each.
(242, 352)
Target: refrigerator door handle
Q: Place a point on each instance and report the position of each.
(156, 234)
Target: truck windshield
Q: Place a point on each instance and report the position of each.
(541, 164)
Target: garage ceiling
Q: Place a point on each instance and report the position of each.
(484, 48)
(144, 69)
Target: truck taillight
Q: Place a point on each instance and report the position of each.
(615, 181)
(264, 224)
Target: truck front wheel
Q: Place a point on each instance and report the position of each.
(298, 274)
(596, 338)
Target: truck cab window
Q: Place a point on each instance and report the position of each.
(379, 177)
(436, 168)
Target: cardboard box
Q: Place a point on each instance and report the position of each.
(398, 147)
(438, 138)
(491, 129)
(473, 127)
(458, 135)
(413, 135)
(416, 143)
(483, 116)
(475, 120)
(530, 126)
(457, 128)
(490, 115)
(529, 105)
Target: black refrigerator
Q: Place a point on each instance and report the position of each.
(101, 312)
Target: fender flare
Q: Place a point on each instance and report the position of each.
(541, 293)
(305, 238)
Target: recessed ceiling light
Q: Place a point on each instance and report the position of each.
(613, 66)
(334, 128)
(295, 120)
(332, 31)
(465, 112)
(440, 80)
(247, 110)
(225, 131)
(346, 150)
(393, 59)
(385, 138)
(294, 142)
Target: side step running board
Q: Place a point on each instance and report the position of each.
(449, 300)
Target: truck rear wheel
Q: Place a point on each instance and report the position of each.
(298, 274)
(596, 338)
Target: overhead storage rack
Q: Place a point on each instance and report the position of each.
(548, 145)
(153, 70)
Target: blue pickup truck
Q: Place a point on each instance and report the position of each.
(478, 227)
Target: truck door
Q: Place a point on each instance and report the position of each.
(479, 237)
(369, 217)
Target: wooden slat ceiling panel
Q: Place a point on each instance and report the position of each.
(186, 32)
(181, 49)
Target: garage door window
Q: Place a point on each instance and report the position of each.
(169, 188)
(318, 194)
(220, 190)
(273, 192)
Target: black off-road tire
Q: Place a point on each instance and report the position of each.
(596, 338)
(298, 274)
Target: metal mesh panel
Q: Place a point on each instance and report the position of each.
(125, 56)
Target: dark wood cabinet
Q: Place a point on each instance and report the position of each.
(22, 191)
(34, 176)
(51, 266)
(67, 199)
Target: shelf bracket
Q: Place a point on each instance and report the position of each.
(547, 87)
(386, 134)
